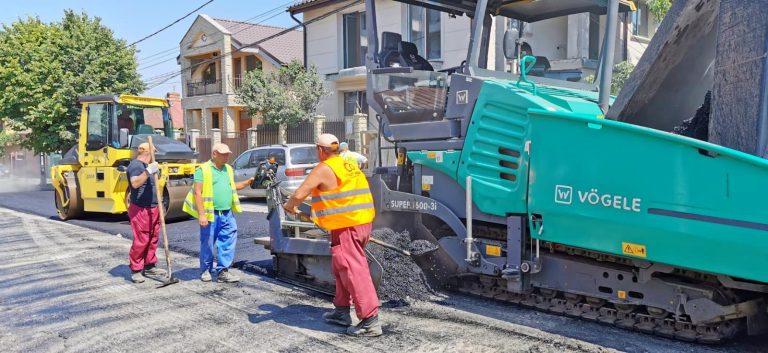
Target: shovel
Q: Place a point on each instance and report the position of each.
(170, 279)
(305, 217)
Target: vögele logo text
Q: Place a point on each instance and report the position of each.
(564, 195)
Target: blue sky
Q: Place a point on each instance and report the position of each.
(135, 19)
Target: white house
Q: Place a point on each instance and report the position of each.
(336, 45)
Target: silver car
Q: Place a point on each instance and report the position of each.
(294, 161)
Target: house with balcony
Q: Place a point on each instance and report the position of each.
(337, 44)
(215, 54)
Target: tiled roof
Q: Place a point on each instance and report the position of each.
(283, 48)
(301, 5)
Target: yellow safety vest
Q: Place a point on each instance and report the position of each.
(350, 204)
(349, 157)
(189, 202)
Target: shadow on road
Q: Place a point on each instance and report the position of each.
(296, 315)
(121, 271)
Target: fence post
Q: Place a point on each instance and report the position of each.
(282, 134)
(359, 126)
(193, 135)
(319, 126)
(253, 137)
(215, 136)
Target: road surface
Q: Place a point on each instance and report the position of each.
(64, 287)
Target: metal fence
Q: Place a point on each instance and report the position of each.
(337, 128)
(237, 144)
(267, 134)
(303, 132)
(204, 144)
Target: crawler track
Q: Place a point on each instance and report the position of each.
(630, 317)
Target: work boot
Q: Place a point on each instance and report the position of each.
(206, 276)
(227, 277)
(369, 327)
(339, 316)
(137, 277)
(154, 271)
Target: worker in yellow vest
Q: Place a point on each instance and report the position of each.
(342, 204)
(212, 200)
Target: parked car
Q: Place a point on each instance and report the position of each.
(4, 171)
(295, 161)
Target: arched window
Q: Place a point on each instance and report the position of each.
(209, 74)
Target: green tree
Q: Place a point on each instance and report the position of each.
(45, 67)
(621, 72)
(288, 96)
(7, 138)
(659, 8)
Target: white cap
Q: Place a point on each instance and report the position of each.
(327, 140)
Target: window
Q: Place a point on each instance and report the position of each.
(258, 156)
(355, 102)
(304, 155)
(640, 20)
(594, 36)
(243, 161)
(424, 31)
(278, 154)
(98, 126)
(355, 40)
(252, 63)
(209, 74)
(215, 120)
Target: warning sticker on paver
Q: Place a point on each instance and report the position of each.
(633, 249)
(492, 250)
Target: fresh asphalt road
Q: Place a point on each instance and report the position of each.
(64, 287)
(183, 236)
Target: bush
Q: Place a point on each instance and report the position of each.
(621, 72)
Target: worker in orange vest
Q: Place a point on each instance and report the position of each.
(342, 203)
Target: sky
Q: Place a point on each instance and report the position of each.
(135, 19)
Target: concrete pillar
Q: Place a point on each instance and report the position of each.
(226, 66)
(282, 134)
(205, 122)
(215, 136)
(253, 137)
(359, 126)
(193, 135)
(319, 125)
(229, 124)
(196, 121)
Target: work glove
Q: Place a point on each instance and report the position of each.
(152, 168)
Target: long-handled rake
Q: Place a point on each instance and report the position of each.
(170, 279)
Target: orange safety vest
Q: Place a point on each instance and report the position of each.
(350, 204)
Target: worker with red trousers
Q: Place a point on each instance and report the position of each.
(144, 216)
(342, 203)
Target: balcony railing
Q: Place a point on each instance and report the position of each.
(237, 81)
(201, 88)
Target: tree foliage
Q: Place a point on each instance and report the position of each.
(44, 67)
(288, 96)
(621, 72)
(659, 8)
(7, 138)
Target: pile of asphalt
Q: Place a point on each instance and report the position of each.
(403, 282)
(697, 126)
(421, 247)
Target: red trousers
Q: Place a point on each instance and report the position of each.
(350, 268)
(145, 224)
